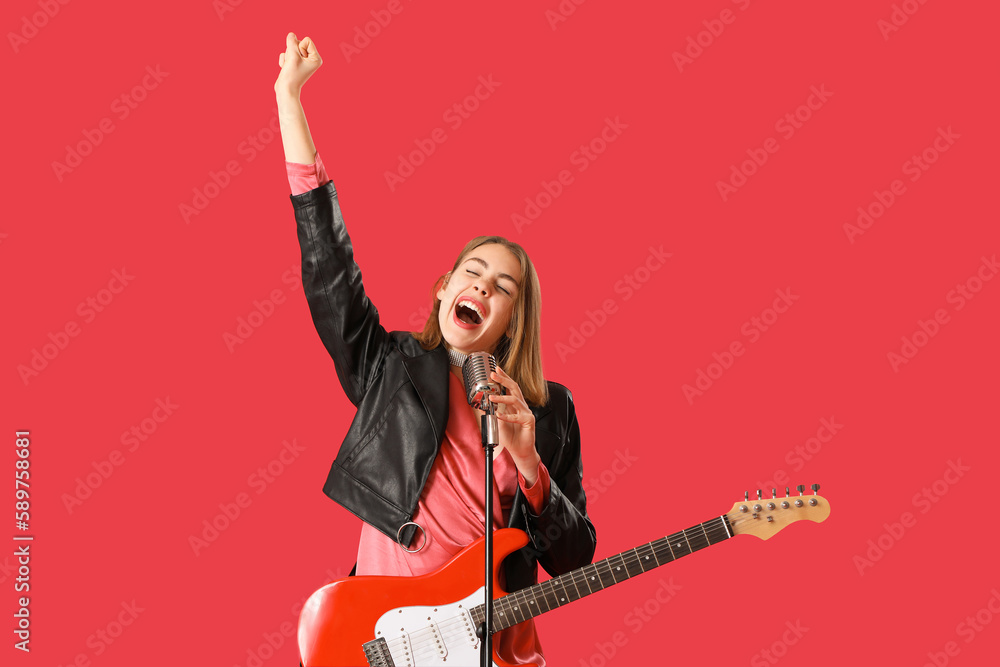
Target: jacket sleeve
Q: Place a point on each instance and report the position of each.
(563, 533)
(345, 318)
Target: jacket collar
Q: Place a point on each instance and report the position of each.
(429, 374)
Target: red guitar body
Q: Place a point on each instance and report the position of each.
(341, 616)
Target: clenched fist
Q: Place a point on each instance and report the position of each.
(299, 61)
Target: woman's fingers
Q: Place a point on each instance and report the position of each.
(299, 61)
(307, 48)
(507, 381)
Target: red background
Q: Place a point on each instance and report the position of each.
(66, 232)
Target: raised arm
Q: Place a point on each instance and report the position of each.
(299, 61)
(344, 316)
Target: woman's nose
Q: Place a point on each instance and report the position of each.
(479, 289)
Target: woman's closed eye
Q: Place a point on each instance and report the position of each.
(498, 285)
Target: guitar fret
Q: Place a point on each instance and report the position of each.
(684, 532)
(575, 587)
(617, 568)
(519, 607)
(565, 597)
(528, 603)
(508, 611)
(662, 550)
(604, 571)
(696, 538)
(537, 599)
(643, 553)
(593, 577)
(678, 541)
(586, 580)
(551, 595)
(635, 568)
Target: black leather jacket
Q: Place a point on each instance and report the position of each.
(401, 394)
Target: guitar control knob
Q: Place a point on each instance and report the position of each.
(813, 502)
(771, 506)
(743, 508)
(757, 508)
(784, 504)
(798, 503)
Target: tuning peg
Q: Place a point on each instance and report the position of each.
(774, 493)
(759, 494)
(746, 496)
(787, 492)
(815, 488)
(801, 488)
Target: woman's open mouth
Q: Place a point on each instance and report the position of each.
(468, 314)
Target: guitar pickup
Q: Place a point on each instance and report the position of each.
(439, 645)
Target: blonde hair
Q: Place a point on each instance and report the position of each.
(519, 350)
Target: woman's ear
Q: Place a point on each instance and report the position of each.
(443, 284)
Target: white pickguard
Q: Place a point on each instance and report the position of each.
(427, 635)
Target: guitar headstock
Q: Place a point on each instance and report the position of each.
(764, 517)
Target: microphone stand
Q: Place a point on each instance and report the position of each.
(490, 432)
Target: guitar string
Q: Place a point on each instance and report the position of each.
(422, 642)
(629, 557)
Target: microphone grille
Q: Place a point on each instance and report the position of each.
(476, 375)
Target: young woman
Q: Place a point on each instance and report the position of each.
(412, 465)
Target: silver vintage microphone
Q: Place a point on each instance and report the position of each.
(478, 386)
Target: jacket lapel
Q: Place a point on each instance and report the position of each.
(429, 375)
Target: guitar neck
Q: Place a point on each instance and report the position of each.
(558, 591)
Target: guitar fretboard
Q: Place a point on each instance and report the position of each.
(546, 596)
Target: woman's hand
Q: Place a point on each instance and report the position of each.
(299, 61)
(517, 426)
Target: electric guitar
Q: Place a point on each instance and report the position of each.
(432, 619)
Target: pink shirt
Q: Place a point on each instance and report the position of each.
(451, 513)
(306, 177)
(451, 508)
